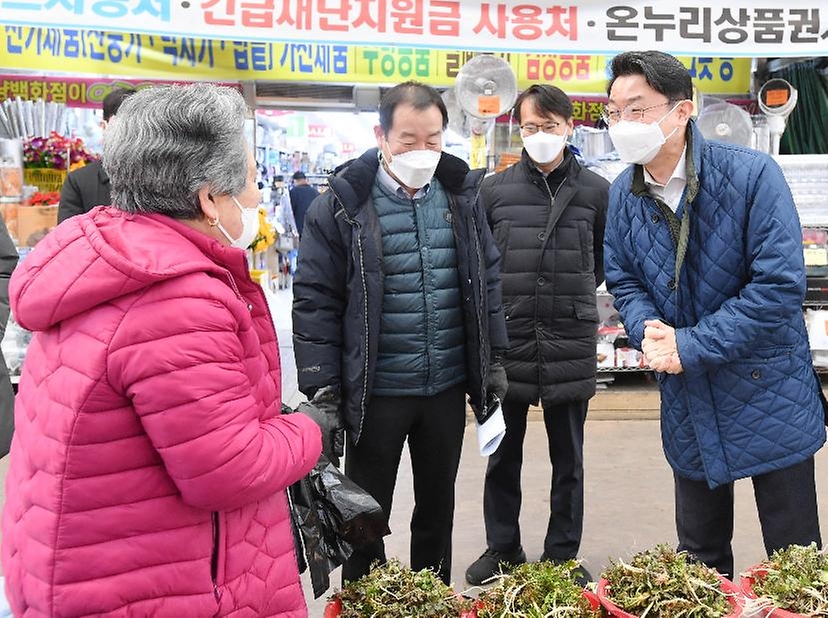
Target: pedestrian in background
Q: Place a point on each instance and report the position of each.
(397, 314)
(704, 258)
(301, 196)
(547, 215)
(150, 458)
(88, 186)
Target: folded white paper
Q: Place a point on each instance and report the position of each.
(491, 432)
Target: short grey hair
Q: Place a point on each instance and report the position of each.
(167, 142)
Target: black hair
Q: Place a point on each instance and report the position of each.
(663, 72)
(546, 99)
(112, 101)
(417, 95)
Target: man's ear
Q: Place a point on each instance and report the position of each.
(685, 110)
(380, 135)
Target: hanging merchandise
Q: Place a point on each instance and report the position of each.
(807, 125)
(481, 131)
(19, 118)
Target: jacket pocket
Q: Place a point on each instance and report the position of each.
(588, 312)
(578, 319)
(501, 237)
(587, 253)
(754, 382)
(218, 557)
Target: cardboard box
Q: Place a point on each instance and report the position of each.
(8, 209)
(34, 222)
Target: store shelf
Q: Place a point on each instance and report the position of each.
(807, 177)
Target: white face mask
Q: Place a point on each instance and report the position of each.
(414, 168)
(639, 142)
(250, 226)
(544, 147)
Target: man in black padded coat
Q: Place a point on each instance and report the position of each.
(547, 215)
(88, 186)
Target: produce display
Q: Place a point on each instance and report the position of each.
(392, 590)
(537, 590)
(793, 581)
(661, 582)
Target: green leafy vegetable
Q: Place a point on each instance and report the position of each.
(661, 582)
(394, 591)
(536, 590)
(794, 579)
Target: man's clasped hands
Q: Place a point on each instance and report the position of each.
(659, 347)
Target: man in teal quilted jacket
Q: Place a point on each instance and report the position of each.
(397, 316)
(703, 254)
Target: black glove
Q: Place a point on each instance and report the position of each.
(324, 410)
(498, 384)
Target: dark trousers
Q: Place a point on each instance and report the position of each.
(502, 493)
(785, 500)
(434, 428)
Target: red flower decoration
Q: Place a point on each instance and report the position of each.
(44, 199)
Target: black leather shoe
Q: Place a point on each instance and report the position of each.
(493, 563)
(581, 576)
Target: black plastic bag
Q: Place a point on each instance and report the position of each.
(331, 514)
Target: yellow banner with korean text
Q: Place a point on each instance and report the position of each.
(132, 56)
(744, 28)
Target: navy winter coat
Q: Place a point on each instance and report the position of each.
(338, 286)
(747, 402)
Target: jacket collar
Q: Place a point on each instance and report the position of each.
(556, 176)
(102, 175)
(353, 180)
(695, 144)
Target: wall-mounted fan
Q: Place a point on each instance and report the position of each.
(777, 99)
(485, 88)
(724, 122)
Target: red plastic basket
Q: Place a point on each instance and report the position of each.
(594, 603)
(734, 598)
(593, 599)
(334, 607)
(746, 585)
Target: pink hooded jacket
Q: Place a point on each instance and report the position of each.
(150, 460)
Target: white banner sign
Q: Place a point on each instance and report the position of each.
(749, 28)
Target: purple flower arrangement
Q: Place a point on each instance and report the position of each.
(55, 152)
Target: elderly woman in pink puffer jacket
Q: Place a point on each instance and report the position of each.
(150, 460)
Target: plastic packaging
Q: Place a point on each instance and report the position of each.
(332, 514)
